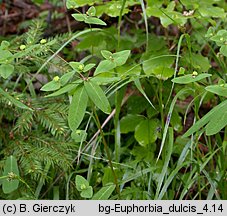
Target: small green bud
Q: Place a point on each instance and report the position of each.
(22, 47)
(43, 41)
(83, 187)
(81, 67)
(56, 78)
(194, 73)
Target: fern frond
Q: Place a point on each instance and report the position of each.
(52, 122)
(24, 123)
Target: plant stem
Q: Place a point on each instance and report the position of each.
(161, 105)
(107, 153)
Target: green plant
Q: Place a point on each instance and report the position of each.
(108, 111)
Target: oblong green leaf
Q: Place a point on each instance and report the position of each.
(77, 108)
(205, 119)
(88, 67)
(13, 100)
(10, 169)
(63, 90)
(66, 77)
(97, 95)
(104, 66)
(217, 122)
(94, 20)
(218, 89)
(51, 86)
(79, 17)
(104, 193)
(189, 78)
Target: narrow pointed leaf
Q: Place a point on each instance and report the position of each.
(77, 108)
(63, 90)
(51, 86)
(218, 89)
(205, 119)
(139, 87)
(104, 193)
(189, 78)
(13, 100)
(94, 20)
(97, 95)
(79, 17)
(218, 121)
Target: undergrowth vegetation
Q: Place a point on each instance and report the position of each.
(131, 107)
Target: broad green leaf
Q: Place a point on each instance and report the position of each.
(6, 70)
(94, 20)
(77, 107)
(121, 57)
(217, 122)
(63, 90)
(104, 193)
(79, 17)
(79, 135)
(207, 11)
(113, 8)
(189, 78)
(10, 169)
(129, 122)
(88, 193)
(13, 100)
(105, 66)
(147, 131)
(157, 64)
(218, 89)
(220, 37)
(51, 86)
(97, 95)
(81, 183)
(221, 108)
(199, 62)
(163, 73)
(167, 15)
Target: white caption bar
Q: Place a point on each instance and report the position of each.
(110, 207)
